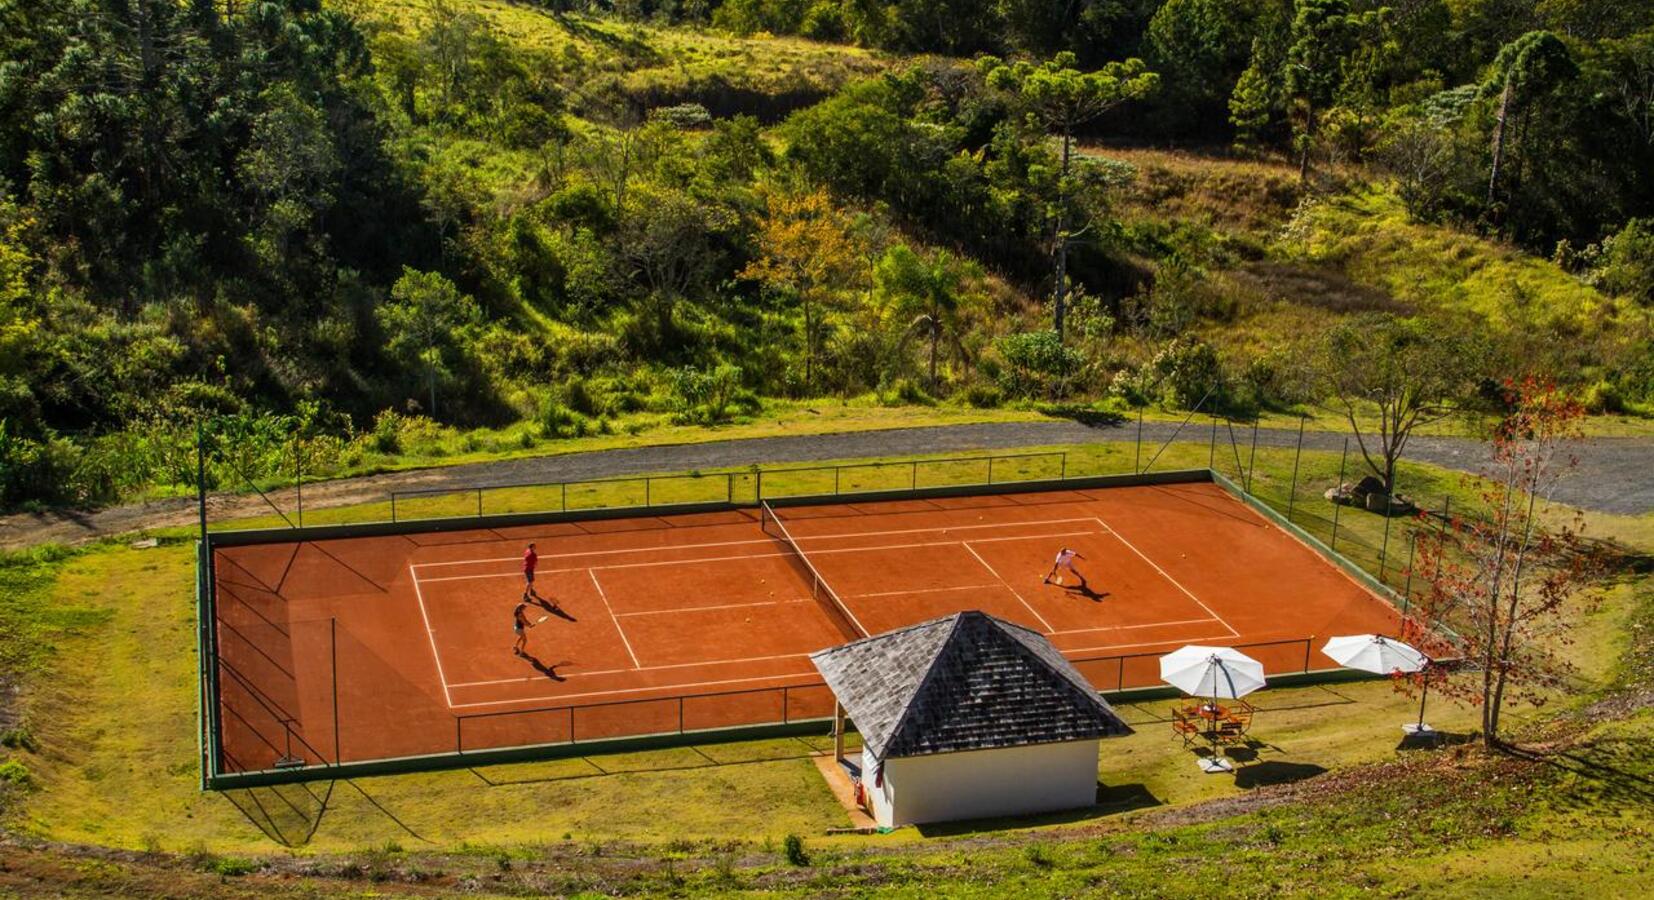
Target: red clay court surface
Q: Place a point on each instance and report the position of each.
(706, 621)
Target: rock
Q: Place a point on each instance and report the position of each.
(146, 544)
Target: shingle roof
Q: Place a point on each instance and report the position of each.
(967, 681)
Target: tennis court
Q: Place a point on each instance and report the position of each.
(350, 649)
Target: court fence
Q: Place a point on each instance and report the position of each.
(1377, 549)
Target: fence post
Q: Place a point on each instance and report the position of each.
(564, 503)
(1062, 474)
(758, 489)
(1384, 548)
(298, 473)
(1252, 456)
(990, 470)
(393, 507)
(1336, 506)
(1120, 680)
(479, 501)
(1292, 492)
(913, 479)
(648, 494)
(1307, 642)
(1137, 457)
(836, 471)
(571, 724)
(680, 714)
(1407, 586)
(333, 646)
(729, 487)
(1212, 447)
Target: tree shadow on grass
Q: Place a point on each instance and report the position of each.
(1274, 772)
(1609, 772)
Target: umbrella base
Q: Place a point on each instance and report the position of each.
(1213, 765)
(1417, 728)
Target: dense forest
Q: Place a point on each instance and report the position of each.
(350, 219)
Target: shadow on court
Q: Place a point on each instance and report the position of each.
(547, 669)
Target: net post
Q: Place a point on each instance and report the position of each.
(680, 714)
(1292, 492)
(758, 486)
(459, 741)
(784, 705)
(1336, 506)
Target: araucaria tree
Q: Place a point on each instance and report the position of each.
(1061, 98)
(1387, 376)
(1510, 574)
(1526, 70)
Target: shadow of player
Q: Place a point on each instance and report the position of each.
(550, 671)
(1084, 589)
(551, 607)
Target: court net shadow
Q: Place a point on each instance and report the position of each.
(1112, 800)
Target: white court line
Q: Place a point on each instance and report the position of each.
(814, 537)
(602, 595)
(684, 609)
(660, 687)
(1219, 637)
(968, 587)
(1166, 575)
(967, 545)
(430, 633)
(684, 665)
(1130, 627)
(710, 559)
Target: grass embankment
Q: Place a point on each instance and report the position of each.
(110, 709)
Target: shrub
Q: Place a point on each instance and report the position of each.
(984, 396)
(1037, 363)
(1185, 372)
(1625, 262)
(558, 421)
(906, 391)
(710, 396)
(792, 847)
(15, 774)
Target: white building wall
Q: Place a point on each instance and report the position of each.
(976, 784)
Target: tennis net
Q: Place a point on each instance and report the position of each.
(819, 589)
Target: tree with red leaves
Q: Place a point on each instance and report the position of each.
(1509, 575)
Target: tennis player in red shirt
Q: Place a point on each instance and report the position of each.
(531, 559)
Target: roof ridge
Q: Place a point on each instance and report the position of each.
(1062, 674)
(931, 667)
(928, 623)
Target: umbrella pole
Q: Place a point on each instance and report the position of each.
(1423, 694)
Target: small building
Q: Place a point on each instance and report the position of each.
(964, 717)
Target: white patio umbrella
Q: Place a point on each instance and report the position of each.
(1377, 653)
(1215, 672)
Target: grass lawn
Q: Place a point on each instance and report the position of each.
(115, 758)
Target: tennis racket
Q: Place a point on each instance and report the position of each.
(541, 619)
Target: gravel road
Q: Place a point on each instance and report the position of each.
(1614, 475)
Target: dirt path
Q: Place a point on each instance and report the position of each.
(1613, 476)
